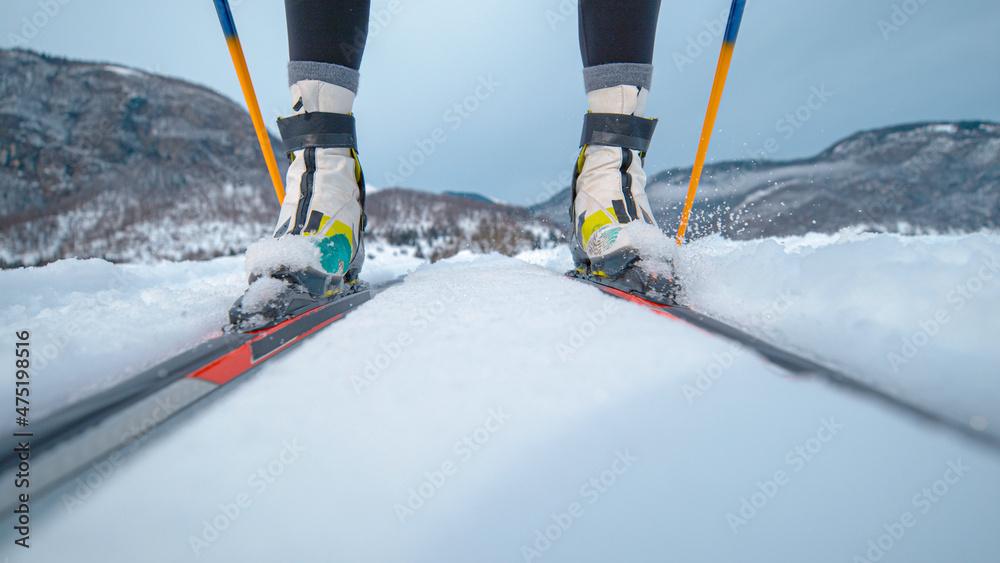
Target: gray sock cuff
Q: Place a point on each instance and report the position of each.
(326, 72)
(615, 74)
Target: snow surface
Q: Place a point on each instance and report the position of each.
(918, 316)
(517, 401)
(657, 250)
(122, 70)
(94, 324)
(293, 252)
(261, 292)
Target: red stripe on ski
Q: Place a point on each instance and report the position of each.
(655, 307)
(226, 368)
(240, 360)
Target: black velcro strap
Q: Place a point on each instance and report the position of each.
(617, 130)
(317, 129)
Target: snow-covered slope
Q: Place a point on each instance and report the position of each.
(102, 161)
(489, 409)
(94, 324)
(915, 315)
(440, 225)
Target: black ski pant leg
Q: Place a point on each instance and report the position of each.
(617, 31)
(327, 31)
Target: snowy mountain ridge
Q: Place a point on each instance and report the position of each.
(915, 178)
(101, 161)
(95, 161)
(440, 225)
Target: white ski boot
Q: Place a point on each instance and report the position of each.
(324, 205)
(325, 189)
(609, 184)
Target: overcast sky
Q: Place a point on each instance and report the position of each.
(876, 63)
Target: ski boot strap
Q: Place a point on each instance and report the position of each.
(617, 130)
(319, 130)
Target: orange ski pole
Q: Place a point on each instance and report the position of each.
(721, 71)
(236, 51)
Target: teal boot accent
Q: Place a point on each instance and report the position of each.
(335, 253)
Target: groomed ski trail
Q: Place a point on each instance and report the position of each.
(500, 389)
